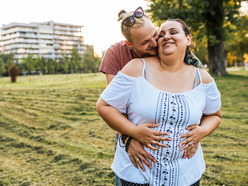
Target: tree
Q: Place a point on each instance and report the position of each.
(90, 62)
(6, 61)
(7, 64)
(75, 59)
(41, 65)
(29, 63)
(52, 66)
(237, 37)
(64, 64)
(232, 58)
(199, 46)
(207, 17)
(1, 67)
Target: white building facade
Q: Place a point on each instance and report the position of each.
(48, 39)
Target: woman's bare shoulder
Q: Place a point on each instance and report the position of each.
(133, 68)
(206, 77)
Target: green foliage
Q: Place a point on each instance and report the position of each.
(70, 63)
(41, 65)
(75, 60)
(64, 64)
(35, 65)
(52, 66)
(7, 57)
(6, 60)
(206, 19)
(199, 47)
(196, 13)
(90, 62)
(86, 63)
(237, 37)
(1, 66)
(29, 63)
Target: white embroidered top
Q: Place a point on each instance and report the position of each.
(143, 103)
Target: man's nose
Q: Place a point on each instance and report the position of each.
(154, 42)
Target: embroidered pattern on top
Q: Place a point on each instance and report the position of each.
(172, 115)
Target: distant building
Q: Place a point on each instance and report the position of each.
(48, 39)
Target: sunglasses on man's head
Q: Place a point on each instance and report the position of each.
(138, 13)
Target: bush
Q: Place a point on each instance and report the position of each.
(13, 72)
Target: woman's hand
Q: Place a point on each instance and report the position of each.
(197, 132)
(149, 137)
(193, 137)
(190, 152)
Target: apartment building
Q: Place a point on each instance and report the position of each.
(48, 39)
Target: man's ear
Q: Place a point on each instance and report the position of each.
(130, 45)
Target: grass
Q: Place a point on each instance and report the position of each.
(225, 150)
(50, 133)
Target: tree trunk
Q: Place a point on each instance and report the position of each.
(216, 59)
(214, 24)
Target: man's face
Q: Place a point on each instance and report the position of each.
(145, 40)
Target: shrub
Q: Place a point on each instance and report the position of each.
(13, 72)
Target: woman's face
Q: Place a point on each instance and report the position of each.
(172, 39)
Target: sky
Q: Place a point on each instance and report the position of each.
(98, 17)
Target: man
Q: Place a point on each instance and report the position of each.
(141, 41)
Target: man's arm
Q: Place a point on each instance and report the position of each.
(136, 150)
(109, 78)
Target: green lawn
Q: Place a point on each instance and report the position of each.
(50, 133)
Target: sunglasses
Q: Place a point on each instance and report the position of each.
(129, 21)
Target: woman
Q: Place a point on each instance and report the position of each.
(172, 92)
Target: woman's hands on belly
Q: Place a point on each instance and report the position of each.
(149, 137)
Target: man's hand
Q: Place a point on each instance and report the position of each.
(138, 155)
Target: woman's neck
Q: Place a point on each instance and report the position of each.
(172, 64)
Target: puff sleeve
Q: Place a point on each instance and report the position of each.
(118, 92)
(213, 98)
